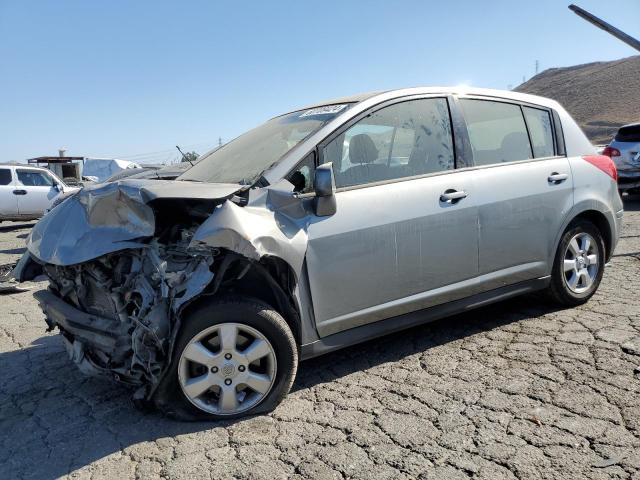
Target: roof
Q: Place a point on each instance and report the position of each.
(19, 164)
(54, 159)
(337, 101)
(460, 90)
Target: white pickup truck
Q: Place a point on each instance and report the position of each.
(27, 192)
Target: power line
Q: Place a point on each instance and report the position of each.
(157, 153)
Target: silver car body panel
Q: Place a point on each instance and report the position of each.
(386, 245)
(272, 224)
(520, 212)
(594, 192)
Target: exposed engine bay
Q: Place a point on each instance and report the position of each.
(134, 295)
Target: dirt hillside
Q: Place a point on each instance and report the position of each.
(601, 96)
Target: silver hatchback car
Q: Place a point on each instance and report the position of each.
(323, 227)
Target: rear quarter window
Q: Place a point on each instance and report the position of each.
(5, 176)
(540, 129)
(630, 133)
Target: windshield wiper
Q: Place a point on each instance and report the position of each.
(184, 157)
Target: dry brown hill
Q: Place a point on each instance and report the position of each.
(601, 96)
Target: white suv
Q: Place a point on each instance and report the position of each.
(26, 193)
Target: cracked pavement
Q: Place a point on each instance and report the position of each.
(519, 389)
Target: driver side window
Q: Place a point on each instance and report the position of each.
(402, 140)
(34, 178)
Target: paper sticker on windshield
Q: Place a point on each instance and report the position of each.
(326, 110)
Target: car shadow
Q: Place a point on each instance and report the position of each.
(15, 226)
(48, 407)
(631, 202)
(14, 251)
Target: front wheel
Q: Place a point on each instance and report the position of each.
(579, 264)
(234, 357)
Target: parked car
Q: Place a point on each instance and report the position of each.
(26, 192)
(322, 228)
(169, 172)
(129, 172)
(624, 150)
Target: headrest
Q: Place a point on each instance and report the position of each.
(515, 146)
(362, 149)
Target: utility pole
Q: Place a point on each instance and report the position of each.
(219, 141)
(537, 66)
(619, 34)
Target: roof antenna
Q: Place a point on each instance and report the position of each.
(184, 157)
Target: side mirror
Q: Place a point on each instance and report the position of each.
(324, 186)
(58, 187)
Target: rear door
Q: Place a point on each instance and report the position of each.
(395, 245)
(35, 190)
(8, 201)
(524, 188)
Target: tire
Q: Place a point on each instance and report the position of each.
(561, 290)
(255, 324)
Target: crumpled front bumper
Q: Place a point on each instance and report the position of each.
(82, 331)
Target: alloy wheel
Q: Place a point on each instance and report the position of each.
(581, 263)
(227, 368)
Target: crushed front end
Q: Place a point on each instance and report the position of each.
(121, 265)
(124, 260)
(117, 313)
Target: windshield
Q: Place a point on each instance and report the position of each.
(244, 159)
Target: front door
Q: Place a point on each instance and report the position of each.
(36, 191)
(395, 244)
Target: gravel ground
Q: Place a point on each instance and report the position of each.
(515, 390)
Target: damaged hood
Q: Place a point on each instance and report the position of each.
(105, 218)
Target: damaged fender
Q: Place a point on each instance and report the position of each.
(118, 283)
(273, 223)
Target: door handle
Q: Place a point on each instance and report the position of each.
(19, 192)
(452, 196)
(556, 177)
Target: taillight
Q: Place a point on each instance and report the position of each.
(611, 152)
(604, 163)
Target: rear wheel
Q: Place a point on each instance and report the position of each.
(234, 357)
(578, 265)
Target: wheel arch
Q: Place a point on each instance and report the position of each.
(271, 280)
(598, 218)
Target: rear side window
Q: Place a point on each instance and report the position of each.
(34, 178)
(630, 133)
(402, 140)
(539, 123)
(497, 131)
(5, 176)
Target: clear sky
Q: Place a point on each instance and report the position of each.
(131, 79)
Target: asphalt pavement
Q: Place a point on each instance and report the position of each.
(519, 389)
